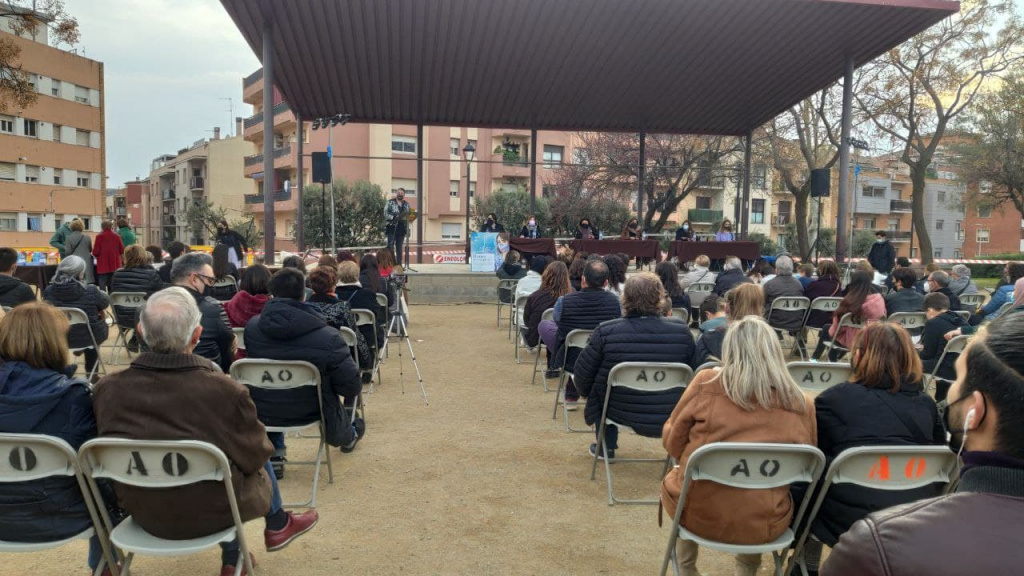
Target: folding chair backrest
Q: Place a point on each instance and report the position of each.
(27, 457)
(507, 285)
(577, 339)
(239, 337)
(972, 300)
(707, 366)
(698, 291)
(364, 317)
(847, 322)
(753, 466)
(825, 303)
(958, 344)
(155, 463)
(790, 304)
(909, 320)
(818, 376)
(6, 308)
(226, 281)
(965, 314)
(275, 374)
(382, 300)
(74, 315)
(128, 299)
(892, 467)
(1003, 309)
(521, 301)
(681, 314)
(650, 376)
(548, 314)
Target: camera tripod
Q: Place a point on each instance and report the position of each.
(398, 327)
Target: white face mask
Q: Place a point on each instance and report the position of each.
(880, 240)
(686, 226)
(533, 223)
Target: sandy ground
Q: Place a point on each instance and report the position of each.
(480, 481)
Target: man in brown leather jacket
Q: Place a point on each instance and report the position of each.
(975, 529)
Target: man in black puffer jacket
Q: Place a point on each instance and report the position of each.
(731, 276)
(643, 335)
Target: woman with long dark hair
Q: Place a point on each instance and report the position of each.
(616, 272)
(669, 275)
(554, 284)
(369, 274)
(862, 303)
(223, 269)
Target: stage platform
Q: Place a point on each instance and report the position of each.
(451, 284)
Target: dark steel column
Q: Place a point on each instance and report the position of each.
(269, 180)
(844, 161)
(300, 236)
(744, 223)
(421, 196)
(640, 180)
(533, 172)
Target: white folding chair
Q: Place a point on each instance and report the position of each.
(509, 285)
(239, 337)
(6, 308)
(697, 292)
(76, 316)
(548, 314)
(166, 464)
(816, 377)
(225, 282)
(747, 466)
(845, 322)
(382, 302)
(973, 301)
(352, 341)
(520, 307)
(965, 314)
(681, 314)
(366, 317)
(824, 304)
(638, 377)
(288, 375)
(30, 457)
(892, 468)
(1003, 310)
(913, 321)
(574, 340)
(707, 366)
(124, 305)
(954, 346)
(793, 305)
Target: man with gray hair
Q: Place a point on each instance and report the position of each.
(731, 276)
(169, 393)
(961, 283)
(938, 283)
(783, 285)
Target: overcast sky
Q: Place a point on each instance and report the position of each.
(167, 64)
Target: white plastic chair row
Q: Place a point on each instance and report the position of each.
(128, 302)
(574, 340)
(509, 285)
(76, 316)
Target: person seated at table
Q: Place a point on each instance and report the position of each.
(511, 269)
(530, 229)
(617, 268)
(69, 290)
(882, 404)
(491, 224)
(586, 232)
(554, 284)
(862, 304)
(744, 300)
(12, 290)
(684, 232)
(941, 321)
(174, 250)
(750, 398)
(669, 275)
(725, 232)
(631, 231)
(903, 298)
(698, 273)
(826, 286)
(641, 335)
(731, 276)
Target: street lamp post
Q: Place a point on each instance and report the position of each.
(469, 153)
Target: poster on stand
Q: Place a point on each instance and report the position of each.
(487, 252)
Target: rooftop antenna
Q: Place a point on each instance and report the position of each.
(231, 114)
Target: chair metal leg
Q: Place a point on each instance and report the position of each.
(536, 364)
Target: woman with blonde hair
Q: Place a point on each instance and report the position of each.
(554, 283)
(743, 300)
(751, 398)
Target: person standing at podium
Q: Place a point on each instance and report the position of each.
(725, 232)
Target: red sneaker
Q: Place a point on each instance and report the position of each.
(298, 524)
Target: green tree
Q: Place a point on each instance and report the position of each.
(767, 246)
(607, 210)
(202, 219)
(862, 242)
(358, 213)
(511, 208)
(29, 18)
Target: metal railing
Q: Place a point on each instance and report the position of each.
(900, 206)
(783, 219)
(198, 183)
(279, 196)
(169, 194)
(278, 153)
(898, 235)
(704, 216)
(257, 118)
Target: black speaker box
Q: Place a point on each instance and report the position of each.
(321, 168)
(820, 185)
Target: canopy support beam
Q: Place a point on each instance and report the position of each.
(844, 161)
(269, 176)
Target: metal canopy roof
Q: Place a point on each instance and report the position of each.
(659, 66)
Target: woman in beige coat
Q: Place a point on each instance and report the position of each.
(751, 399)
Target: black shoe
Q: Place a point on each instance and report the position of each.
(360, 425)
(593, 449)
(133, 344)
(277, 463)
(355, 429)
(552, 374)
(367, 377)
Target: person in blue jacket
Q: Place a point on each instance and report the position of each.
(1002, 295)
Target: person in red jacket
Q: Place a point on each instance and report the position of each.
(250, 300)
(107, 250)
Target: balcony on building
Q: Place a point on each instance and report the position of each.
(197, 183)
(703, 216)
(284, 120)
(169, 195)
(279, 196)
(283, 159)
(901, 206)
(783, 219)
(898, 235)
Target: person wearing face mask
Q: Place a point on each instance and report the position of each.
(530, 229)
(883, 404)
(585, 231)
(631, 231)
(234, 240)
(684, 232)
(882, 256)
(725, 232)
(975, 528)
(491, 224)
(396, 223)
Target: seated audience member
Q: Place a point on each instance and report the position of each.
(941, 321)
(253, 296)
(1018, 306)
(938, 283)
(510, 270)
(297, 263)
(137, 275)
(169, 393)
(826, 286)
(531, 282)
(327, 261)
(617, 268)
(554, 284)
(69, 291)
(883, 404)
(174, 251)
(901, 262)
(751, 398)
(337, 313)
(224, 270)
(641, 335)
(713, 314)
(960, 282)
(385, 262)
(360, 298)
(38, 397)
(698, 273)
(669, 275)
(782, 286)
(806, 275)
(346, 256)
(922, 284)
(862, 303)
(766, 269)
(576, 273)
(290, 329)
(985, 420)
(745, 300)
(12, 290)
(903, 297)
(731, 276)
(754, 275)
(194, 273)
(583, 310)
(1003, 294)
(157, 253)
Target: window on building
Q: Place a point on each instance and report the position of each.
(985, 187)
(403, 144)
(453, 189)
(703, 203)
(553, 156)
(455, 147)
(82, 137)
(869, 223)
(8, 222)
(873, 192)
(982, 236)
(83, 181)
(406, 184)
(893, 224)
(32, 174)
(757, 211)
(56, 132)
(940, 196)
(938, 252)
(30, 127)
(759, 177)
(984, 211)
(939, 224)
(957, 254)
(86, 221)
(7, 124)
(55, 88)
(81, 94)
(56, 177)
(472, 189)
(33, 79)
(451, 231)
(7, 171)
(35, 222)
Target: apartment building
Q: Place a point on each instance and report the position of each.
(127, 201)
(385, 155)
(52, 154)
(209, 169)
(987, 231)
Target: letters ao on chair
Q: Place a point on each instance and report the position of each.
(226, 281)
(747, 466)
(548, 314)
(77, 316)
(288, 375)
(124, 305)
(29, 457)
(509, 285)
(913, 321)
(880, 468)
(366, 317)
(698, 291)
(161, 464)
(799, 304)
(816, 377)
(972, 301)
(575, 339)
(641, 377)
